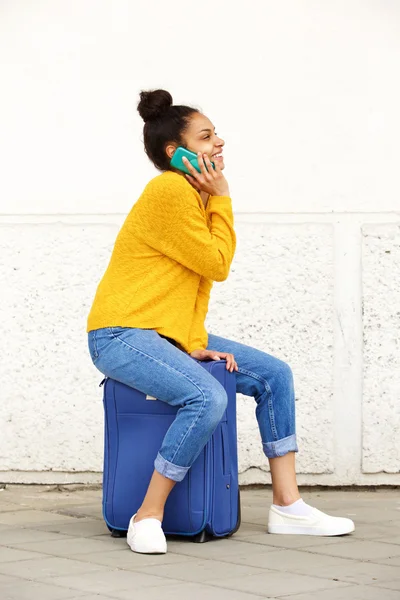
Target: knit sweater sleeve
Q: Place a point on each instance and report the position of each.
(198, 335)
(175, 225)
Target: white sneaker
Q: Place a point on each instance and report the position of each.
(316, 523)
(146, 536)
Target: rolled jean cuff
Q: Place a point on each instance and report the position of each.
(280, 447)
(168, 469)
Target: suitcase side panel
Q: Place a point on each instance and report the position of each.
(225, 484)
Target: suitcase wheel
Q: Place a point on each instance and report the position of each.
(203, 536)
(118, 533)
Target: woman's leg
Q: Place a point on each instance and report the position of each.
(270, 382)
(283, 475)
(156, 496)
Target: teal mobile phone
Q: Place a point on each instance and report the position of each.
(176, 160)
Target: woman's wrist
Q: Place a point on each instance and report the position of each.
(226, 195)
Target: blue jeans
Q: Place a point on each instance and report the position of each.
(147, 361)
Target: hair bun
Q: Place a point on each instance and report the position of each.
(153, 104)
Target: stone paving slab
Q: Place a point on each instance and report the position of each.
(70, 545)
(380, 532)
(33, 590)
(390, 585)
(55, 545)
(50, 566)
(86, 527)
(108, 581)
(12, 555)
(223, 549)
(391, 561)
(90, 597)
(273, 584)
(292, 541)
(341, 569)
(362, 550)
(10, 506)
(188, 591)
(122, 559)
(17, 537)
(359, 592)
(31, 517)
(389, 537)
(8, 579)
(204, 571)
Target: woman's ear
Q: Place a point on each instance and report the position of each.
(170, 149)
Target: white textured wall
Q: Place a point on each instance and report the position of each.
(305, 96)
(381, 285)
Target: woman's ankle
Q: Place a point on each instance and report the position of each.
(146, 514)
(285, 499)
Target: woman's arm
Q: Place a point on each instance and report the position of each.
(172, 222)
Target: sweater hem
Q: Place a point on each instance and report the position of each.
(162, 331)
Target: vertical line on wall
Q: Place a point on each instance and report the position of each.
(348, 345)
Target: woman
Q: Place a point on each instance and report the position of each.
(146, 324)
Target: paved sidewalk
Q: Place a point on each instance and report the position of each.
(55, 545)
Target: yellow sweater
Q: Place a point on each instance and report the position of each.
(166, 256)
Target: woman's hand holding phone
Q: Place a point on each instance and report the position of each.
(211, 181)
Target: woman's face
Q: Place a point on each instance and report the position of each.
(200, 136)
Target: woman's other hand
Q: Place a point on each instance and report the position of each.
(201, 354)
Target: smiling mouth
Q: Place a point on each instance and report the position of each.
(218, 156)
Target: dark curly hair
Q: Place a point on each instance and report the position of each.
(163, 124)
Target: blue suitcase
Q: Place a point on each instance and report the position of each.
(206, 503)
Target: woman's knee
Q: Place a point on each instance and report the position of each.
(284, 377)
(285, 371)
(218, 405)
(278, 374)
